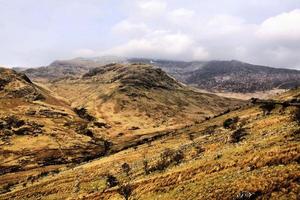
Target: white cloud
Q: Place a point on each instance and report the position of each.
(262, 32)
(200, 53)
(126, 27)
(185, 34)
(283, 27)
(161, 44)
(220, 25)
(278, 39)
(85, 53)
(151, 8)
(181, 15)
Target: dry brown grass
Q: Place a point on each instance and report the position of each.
(265, 163)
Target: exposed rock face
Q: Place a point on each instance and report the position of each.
(68, 68)
(83, 113)
(134, 75)
(17, 85)
(235, 76)
(35, 134)
(228, 76)
(11, 125)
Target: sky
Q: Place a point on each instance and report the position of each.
(37, 32)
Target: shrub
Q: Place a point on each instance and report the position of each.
(169, 157)
(254, 100)
(210, 130)
(230, 122)
(125, 190)
(267, 107)
(107, 146)
(178, 157)
(111, 181)
(199, 149)
(83, 113)
(237, 135)
(206, 119)
(164, 160)
(126, 168)
(146, 166)
(191, 136)
(218, 156)
(296, 134)
(297, 115)
(6, 188)
(83, 129)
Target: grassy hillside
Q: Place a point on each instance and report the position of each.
(244, 154)
(38, 131)
(138, 98)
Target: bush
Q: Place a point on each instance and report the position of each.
(146, 166)
(230, 122)
(6, 188)
(126, 168)
(111, 181)
(83, 129)
(297, 115)
(210, 130)
(83, 113)
(169, 157)
(178, 157)
(125, 190)
(191, 136)
(267, 107)
(199, 149)
(296, 134)
(237, 135)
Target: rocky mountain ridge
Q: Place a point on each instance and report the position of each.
(214, 76)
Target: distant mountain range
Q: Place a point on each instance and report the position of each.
(224, 76)
(228, 76)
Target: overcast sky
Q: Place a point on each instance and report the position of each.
(36, 32)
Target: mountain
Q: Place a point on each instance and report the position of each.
(229, 76)
(133, 98)
(45, 128)
(215, 76)
(68, 68)
(243, 154)
(39, 130)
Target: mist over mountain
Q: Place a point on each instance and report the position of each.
(215, 76)
(229, 76)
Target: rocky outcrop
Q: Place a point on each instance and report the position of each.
(12, 125)
(228, 76)
(134, 76)
(83, 114)
(18, 85)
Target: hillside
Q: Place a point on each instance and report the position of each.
(229, 76)
(215, 76)
(236, 76)
(67, 68)
(243, 154)
(137, 97)
(39, 130)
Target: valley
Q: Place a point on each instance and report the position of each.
(132, 131)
